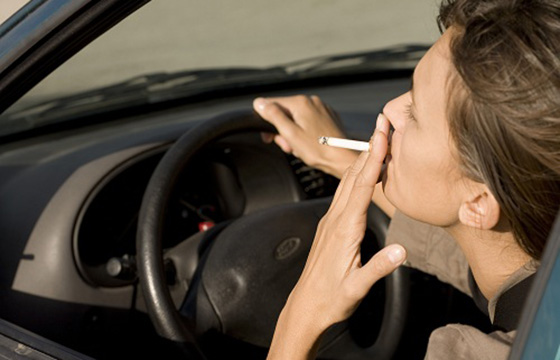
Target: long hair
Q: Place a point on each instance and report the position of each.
(504, 106)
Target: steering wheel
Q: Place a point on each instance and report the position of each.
(238, 274)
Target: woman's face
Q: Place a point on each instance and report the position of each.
(423, 178)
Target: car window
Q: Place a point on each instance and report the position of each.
(173, 35)
(544, 339)
(538, 334)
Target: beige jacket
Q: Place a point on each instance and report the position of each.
(432, 250)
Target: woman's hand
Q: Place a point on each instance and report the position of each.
(300, 121)
(334, 280)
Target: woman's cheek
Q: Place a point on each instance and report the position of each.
(406, 162)
(399, 149)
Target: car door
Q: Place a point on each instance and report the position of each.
(45, 33)
(33, 42)
(539, 330)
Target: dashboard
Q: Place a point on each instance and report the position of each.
(69, 202)
(231, 178)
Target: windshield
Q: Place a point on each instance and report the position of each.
(166, 36)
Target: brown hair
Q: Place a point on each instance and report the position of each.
(504, 106)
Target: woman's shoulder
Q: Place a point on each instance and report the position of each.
(456, 341)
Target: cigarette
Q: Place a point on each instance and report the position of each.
(344, 143)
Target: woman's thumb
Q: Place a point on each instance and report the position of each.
(382, 264)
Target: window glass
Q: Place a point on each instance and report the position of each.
(173, 35)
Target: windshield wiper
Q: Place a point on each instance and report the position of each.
(394, 58)
(139, 90)
(161, 87)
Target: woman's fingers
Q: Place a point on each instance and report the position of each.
(294, 104)
(358, 183)
(283, 144)
(274, 114)
(267, 137)
(364, 185)
(347, 182)
(384, 262)
(340, 199)
(382, 124)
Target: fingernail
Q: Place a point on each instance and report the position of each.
(396, 254)
(379, 121)
(267, 138)
(260, 103)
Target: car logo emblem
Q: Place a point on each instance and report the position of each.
(287, 248)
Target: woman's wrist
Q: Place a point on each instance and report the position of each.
(297, 336)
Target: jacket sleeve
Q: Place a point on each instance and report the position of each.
(457, 341)
(431, 250)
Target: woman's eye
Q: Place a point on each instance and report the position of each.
(408, 110)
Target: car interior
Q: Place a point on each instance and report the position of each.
(74, 199)
(129, 233)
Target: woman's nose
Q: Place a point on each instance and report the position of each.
(395, 111)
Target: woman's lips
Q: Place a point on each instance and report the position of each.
(382, 173)
(390, 140)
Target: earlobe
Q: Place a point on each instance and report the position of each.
(481, 212)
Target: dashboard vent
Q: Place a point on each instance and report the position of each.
(313, 182)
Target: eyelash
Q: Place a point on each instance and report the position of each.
(409, 113)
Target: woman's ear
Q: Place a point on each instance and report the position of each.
(480, 211)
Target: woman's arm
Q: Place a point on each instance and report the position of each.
(334, 280)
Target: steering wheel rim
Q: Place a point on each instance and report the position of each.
(167, 320)
(161, 309)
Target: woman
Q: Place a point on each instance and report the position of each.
(472, 179)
